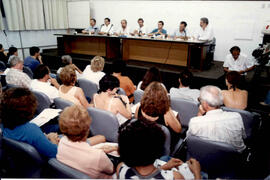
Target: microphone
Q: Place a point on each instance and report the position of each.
(5, 32)
(185, 37)
(108, 33)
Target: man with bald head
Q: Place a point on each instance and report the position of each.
(212, 123)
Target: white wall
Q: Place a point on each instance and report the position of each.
(234, 22)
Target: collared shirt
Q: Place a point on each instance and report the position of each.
(124, 32)
(221, 126)
(92, 76)
(163, 31)
(141, 29)
(32, 63)
(177, 33)
(205, 35)
(240, 64)
(185, 93)
(91, 28)
(46, 88)
(107, 29)
(18, 78)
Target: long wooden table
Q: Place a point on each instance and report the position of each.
(163, 51)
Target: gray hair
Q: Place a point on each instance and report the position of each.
(66, 59)
(212, 96)
(14, 60)
(205, 20)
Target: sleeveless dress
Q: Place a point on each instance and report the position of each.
(70, 95)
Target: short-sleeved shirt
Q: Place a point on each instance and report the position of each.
(127, 85)
(107, 29)
(124, 32)
(206, 34)
(163, 31)
(18, 78)
(177, 33)
(32, 63)
(240, 64)
(185, 93)
(91, 29)
(141, 30)
(30, 133)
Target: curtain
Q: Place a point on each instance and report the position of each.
(55, 14)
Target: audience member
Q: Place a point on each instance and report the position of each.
(151, 75)
(67, 60)
(94, 72)
(141, 142)
(234, 97)
(12, 51)
(34, 59)
(43, 82)
(15, 74)
(17, 109)
(68, 90)
(184, 91)
(76, 150)
(215, 124)
(107, 99)
(3, 54)
(125, 82)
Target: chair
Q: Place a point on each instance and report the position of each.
(104, 123)
(121, 92)
(138, 96)
(218, 159)
(167, 145)
(2, 66)
(61, 103)
(21, 160)
(60, 170)
(8, 86)
(28, 71)
(89, 88)
(42, 100)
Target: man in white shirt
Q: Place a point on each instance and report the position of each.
(106, 28)
(184, 92)
(206, 32)
(181, 32)
(212, 123)
(124, 30)
(15, 75)
(92, 29)
(43, 82)
(237, 62)
(141, 30)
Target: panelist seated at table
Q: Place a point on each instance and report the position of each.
(181, 32)
(206, 32)
(140, 30)
(92, 29)
(159, 31)
(123, 30)
(107, 27)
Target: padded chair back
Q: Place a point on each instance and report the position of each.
(21, 160)
(218, 159)
(167, 145)
(42, 100)
(2, 66)
(61, 103)
(89, 88)
(186, 109)
(138, 94)
(251, 121)
(60, 170)
(121, 92)
(104, 123)
(28, 71)
(11, 86)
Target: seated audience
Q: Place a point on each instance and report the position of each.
(234, 97)
(94, 72)
(67, 60)
(107, 99)
(141, 142)
(76, 150)
(43, 82)
(34, 59)
(125, 82)
(68, 90)
(184, 91)
(3, 55)
(215, 124)
(155, 106)
(15, 74)
(151, 75)
(17, 109)
(12, 51)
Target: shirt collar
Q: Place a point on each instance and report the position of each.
(216, 111)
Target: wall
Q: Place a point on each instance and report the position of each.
(234, 22)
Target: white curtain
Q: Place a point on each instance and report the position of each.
(55, 14)
(14, 14)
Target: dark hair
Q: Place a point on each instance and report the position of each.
(161, 22)
(140, 142)
(184, 22)
(186, 77)
(140, 19)
(33, 50)
(108, 82)
(41, 71)
(1, 46)
(233, 77)
(93, 20)
(18, 106)
(12, 50)
(151, 75)
(235, 48)
(119, 66)
(205, 20)
(108, 19)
